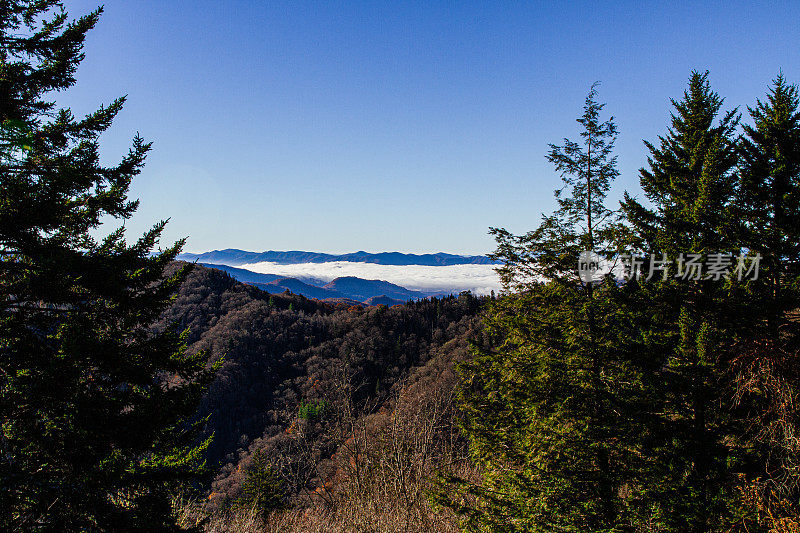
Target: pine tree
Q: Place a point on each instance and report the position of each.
(263, 490)
(690, 181)
(547, 411)
(95, 405)
(768, 374)
(582, 221)
(769, 194)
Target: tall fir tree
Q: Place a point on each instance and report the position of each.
(95, 405)
(690, 182)
(547, 411)
(769, 195)
(690, 179)
(766, 363)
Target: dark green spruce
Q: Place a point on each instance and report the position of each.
(690, 182)
(769, 195)
(263, 489)
(767, 370)
(96, 407)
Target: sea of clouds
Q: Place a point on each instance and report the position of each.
(480, 279)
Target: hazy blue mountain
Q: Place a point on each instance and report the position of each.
(363, 289)
(245, 276)
(346, 288)
(298, 287)
(233, 257)
(371, 292)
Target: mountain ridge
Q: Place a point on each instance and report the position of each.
(235, 257)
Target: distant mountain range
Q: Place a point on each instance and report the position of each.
(348, 288)
(234, 257)
(355, 277)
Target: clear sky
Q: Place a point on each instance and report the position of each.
(344, 126)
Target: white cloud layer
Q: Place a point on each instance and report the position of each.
(480, 279)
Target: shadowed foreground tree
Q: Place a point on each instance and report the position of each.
(94, 405)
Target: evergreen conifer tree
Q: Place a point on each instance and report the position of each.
(766, 362)
(95, 405)
(547, 411)
(769, 195)
(690, 182)
(263, 489)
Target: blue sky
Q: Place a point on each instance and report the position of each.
(409, 126)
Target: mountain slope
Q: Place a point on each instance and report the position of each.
(283, 350)
(243, 275)
(256, 278)
(350, 288)
(295, 286)
(383, 300)
(363, 289)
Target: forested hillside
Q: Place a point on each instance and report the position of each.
(288, 359)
